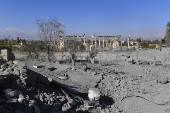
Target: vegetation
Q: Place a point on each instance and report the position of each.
(5, 47)
(167, 34)
(92, 54)
(72, 46)
(11, 44)
(139, 39)
(48, 31)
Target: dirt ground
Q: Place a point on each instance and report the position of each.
(129, 82)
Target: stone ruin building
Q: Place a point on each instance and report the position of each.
(6, 55)
(105, 41)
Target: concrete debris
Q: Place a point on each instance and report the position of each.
(21, 98)
(19, 63)
(63, 77)
(122, 85)
(94, 94)
(163, 79)
(35, 66)
(66, 107)
(7, 90)
(162, 99)
(12, 100)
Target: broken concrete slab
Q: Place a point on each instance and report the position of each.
(7, 90)
(12, 94)
(163, 79)
(63, 77)
(38, 66)
(20, 98)
(162, 99)
(12, 100)
(19, 63)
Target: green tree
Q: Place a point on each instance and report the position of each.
(124, 44)
(162, 41)
(167, 34)
(156, 42)
(24, 41)
(17, 41)
(139, 39)
(5, 41)
(33, 47)
(88, 41)
(12, 41)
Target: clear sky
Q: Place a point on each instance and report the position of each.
(145, 18)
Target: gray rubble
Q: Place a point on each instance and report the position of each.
(126, 84)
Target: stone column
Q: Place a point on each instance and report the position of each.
(128, 38)
(113, 45)
(128, 44)
(106, 43)
(95, 42)
(86, 47)
(92, 41)
(99, 42)
(84, 40)
(110, 43)
(103, 42)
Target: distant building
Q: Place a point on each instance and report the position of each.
(133, 43)
(61, 41)
(154, 45)
(107, 41)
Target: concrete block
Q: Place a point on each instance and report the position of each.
(19, 63)
(4, 51)
(7, 90)
(6, 55)
(12, 100)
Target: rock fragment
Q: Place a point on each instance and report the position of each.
(163, 79)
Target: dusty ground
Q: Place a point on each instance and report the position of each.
(125, 86)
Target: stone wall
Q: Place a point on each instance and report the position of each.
(6, 55)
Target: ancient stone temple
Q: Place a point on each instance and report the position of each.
(107, 41)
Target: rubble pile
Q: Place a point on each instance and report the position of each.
(124, 81)
(22, 92)
(109, 87)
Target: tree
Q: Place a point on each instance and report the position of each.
(72, 48)
(18, 40)
(12, 41)
(163, 41)
(125, 43)
(139, 39)
(89, 41)
(92, 54)
(33, 48)
(167, 34)
(48, 30)
(5, 41)
(24, 41)
(156, 42)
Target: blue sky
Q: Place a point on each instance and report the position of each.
(145, 18)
